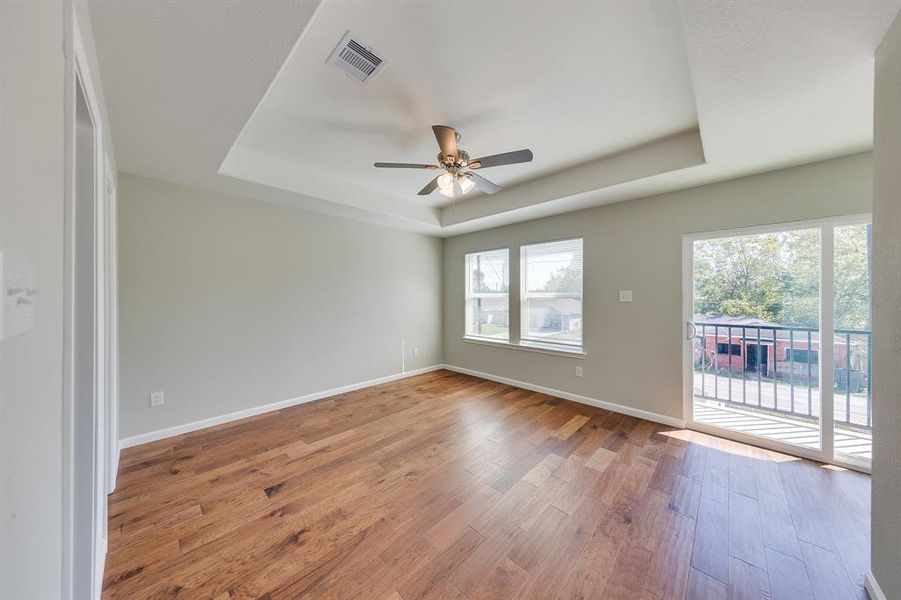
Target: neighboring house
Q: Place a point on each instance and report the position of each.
(493, 310)
(554, 315)
(740, 344)
(546, 315)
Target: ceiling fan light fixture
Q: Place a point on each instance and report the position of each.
(446, 185)
(446, 182)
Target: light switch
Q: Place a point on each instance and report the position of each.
(625, 295)
(17, 288)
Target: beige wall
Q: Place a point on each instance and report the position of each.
(887, 316)
(634, 350)
(228, 304)
(31, 225)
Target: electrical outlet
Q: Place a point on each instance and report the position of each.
(625, 295)
(157, 398)
(578, 371)
(415, 350)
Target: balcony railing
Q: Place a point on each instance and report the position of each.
(776, 368)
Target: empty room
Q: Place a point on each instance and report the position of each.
(397, 299)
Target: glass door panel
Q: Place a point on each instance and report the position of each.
(756, 335)
(853, 400)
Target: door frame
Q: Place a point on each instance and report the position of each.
(827, 226)
(111, 293)
(79, 80)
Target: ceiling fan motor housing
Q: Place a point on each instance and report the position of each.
(461, 161)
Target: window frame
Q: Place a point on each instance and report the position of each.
(800, 355)
(468, 295)
(727, 348)
(524, 340)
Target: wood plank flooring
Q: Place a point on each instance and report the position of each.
(449, 486)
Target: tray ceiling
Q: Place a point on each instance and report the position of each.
(617, 100)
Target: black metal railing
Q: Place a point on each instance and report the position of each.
(776, 368)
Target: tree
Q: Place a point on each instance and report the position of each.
(776, 277)
(564, 280)
(739, 277)
(852, 277)
(478, 281)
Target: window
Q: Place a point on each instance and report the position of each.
(800, 355)
(552, 293)
(488, 294)
(723, 348)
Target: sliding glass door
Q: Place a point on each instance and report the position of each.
(853, 341)
(777, 337)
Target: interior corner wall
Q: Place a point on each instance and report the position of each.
(228, 304)
(32, 210)
(635, 349)
(886, 498)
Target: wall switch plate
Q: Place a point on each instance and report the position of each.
(157, 398)
(415, 350)
(578, 371)
(625, 295)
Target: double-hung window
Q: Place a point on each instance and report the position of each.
(488, 294)
(551, 299)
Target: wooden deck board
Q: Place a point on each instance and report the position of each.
(854, 443)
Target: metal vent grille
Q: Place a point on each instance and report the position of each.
(355, 58)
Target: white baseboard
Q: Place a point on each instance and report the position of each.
(872, 587)
(612, 406)
(161, 434)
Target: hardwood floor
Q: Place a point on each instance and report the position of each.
(449, 486)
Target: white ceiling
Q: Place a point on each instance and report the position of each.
(507, 79)
(181, 79)
(768, 84)
(784, 80)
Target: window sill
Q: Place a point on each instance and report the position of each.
(528, 347)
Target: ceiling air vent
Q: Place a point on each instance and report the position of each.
(355, 58)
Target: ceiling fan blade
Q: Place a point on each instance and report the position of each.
(506, 158)
(384, 165)
(429, 187)
(447, 140)
(482, 184)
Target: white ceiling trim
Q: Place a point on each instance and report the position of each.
(562, 190)
(257, 167)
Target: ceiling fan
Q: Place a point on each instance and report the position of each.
(456, 180)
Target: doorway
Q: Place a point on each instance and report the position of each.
(757, 358)
(778, 337)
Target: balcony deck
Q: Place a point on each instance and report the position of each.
(783, 428)
(803, 401)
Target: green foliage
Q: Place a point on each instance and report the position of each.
(565, 279)
(775, 277)
(852, 277)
